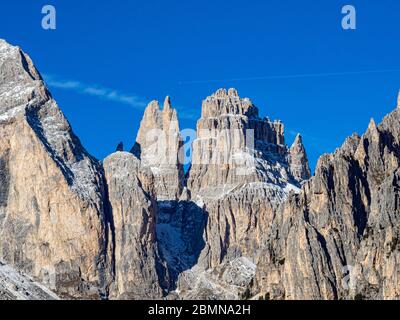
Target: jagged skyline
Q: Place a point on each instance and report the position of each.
(254, 225)
(151, 51)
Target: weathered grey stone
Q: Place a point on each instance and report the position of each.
(159, 147)
(241, 171)
(298, 160)
(139, 230)
(133, 209)
(337, 239)
(17, 286)
(52, 193)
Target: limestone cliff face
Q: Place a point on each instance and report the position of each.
(52, 220)
(241, 170)
(235, 146)
(338, 239)
(247, 216)
(298, 160)
(158, 145)
(133, 209)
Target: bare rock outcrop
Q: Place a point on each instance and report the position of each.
(337, 239)
(52, 220)
(241, 170)
(228, 281)
(298, 161)
(235, 146)
(248, 220)
(158, 146)
(138, 270)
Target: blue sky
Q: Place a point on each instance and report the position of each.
(107, 59)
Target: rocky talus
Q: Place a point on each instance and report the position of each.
(15, 285)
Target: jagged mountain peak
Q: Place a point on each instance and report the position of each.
(228, 103)
(50, 186)
(8, 50)
(350, 207)
(155, 117)
(398, 100)
(167, 103)
(21, 85)
(133, 229)
(298, 140)
(298, 160)
(224, 93)
(372, 125)
(11, 55)
(158, 145)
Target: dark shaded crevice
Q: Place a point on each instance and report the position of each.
(360, 213)
(27, 68)
(180, 226)
(137, 150)
(108, 263)
(313, 260)
(4, 179)
(324, 247)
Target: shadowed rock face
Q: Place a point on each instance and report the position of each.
(337, 239)
(4, 180)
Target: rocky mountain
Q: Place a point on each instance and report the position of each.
(241, 169)
(298, 160)
(53, 224)
(133, 211)
(158, 146)
(338, 238)
(246, 220)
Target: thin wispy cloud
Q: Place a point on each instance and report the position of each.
(95, 91)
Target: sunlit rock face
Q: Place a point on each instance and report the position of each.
(136, 261)
(338, 238)
(298, 160)
(241, 170)
(235, 146)
(52, 220)
(159, 147)
(247, 220)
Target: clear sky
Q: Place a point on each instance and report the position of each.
(107, 59)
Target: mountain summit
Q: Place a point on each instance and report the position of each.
(246, 220)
